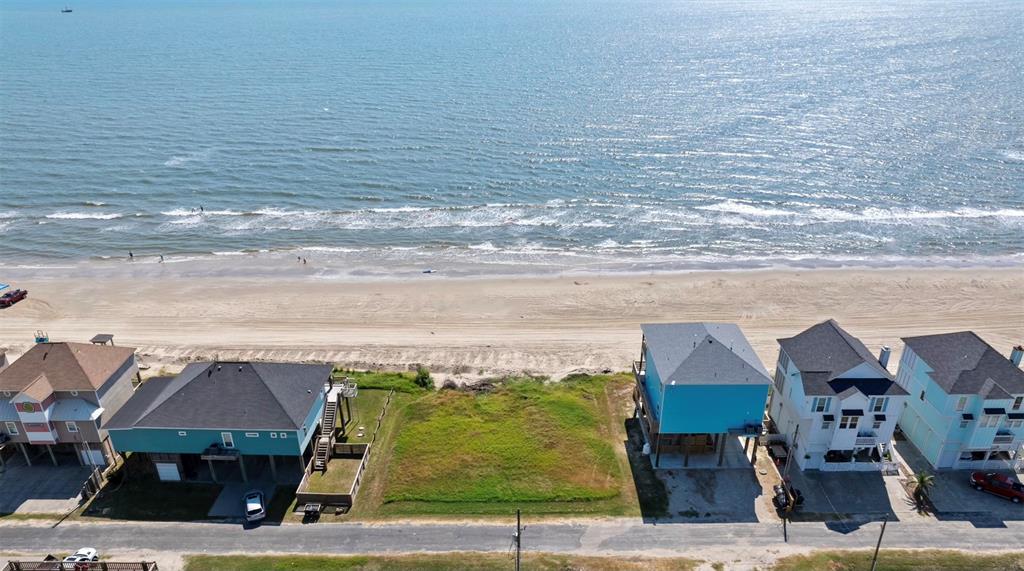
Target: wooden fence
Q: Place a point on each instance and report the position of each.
(303, 496)
(83, 566)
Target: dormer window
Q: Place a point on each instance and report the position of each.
(1018, 403)
(821, 404)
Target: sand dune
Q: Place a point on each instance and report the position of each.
(471, 327)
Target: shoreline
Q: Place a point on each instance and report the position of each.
(465, 329)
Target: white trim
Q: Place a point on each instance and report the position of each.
(182, 433)
(273, 435)
(284, 435)
(252, 434)
(226, 438)
(12, 428)
(69, 424)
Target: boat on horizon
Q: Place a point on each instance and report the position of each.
(65, 10)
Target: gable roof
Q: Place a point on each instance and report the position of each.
(703, 353)
(964, 364)
(825, 351)
(38, 389)
(67, 366)
(226, 395)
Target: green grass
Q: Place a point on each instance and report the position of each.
(403, 382)
(551, 446)
(433, 562)
(365, 408)
(338, 477)
(896, 560)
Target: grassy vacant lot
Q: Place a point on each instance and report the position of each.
(439, 562)
(552, 448)
(895, 560)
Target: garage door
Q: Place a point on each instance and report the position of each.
(168, 472)
(96, 459)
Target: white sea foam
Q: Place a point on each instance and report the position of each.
(83, 216)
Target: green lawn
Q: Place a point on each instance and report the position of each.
(433, 562)
(548, 448)
(365, 408)
(338, 477)
(895, 560)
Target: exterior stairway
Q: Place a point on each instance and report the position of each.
(322, 454)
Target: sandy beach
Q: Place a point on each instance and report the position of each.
(465, 328)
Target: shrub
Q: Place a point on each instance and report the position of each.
(423, 377)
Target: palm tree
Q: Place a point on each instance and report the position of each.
(923, 481)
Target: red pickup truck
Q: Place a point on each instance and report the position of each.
(998, 484)
(12, 297)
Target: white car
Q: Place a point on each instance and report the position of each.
(254, 506)
(83, 555)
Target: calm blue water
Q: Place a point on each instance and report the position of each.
(530, 133)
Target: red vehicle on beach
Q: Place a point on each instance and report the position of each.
(12, 297)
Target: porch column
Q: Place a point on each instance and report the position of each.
(686, 450)
(753, 455)
(721, 448)
(78, 454)
(24, 453)
(52, 457)
(302, 464)
(273, 467)
(213, 473)
(241, 465)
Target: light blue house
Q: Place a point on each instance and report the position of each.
(966, 403)
(697, 383)
(216, 417)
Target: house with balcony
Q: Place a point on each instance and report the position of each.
(835, 404)
(966, 405)
(55, 398)
(697, 385)
(219, 421)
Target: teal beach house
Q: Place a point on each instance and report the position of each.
(966, 404)
(697, 384)
(225, 420)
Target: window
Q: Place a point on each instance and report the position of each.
(1015, 423)
(12, 429)
(228, 439)
(1018, 402)
(273, 435)
(74, 393)
(876, 425)
(879, 404)
(182, 433)
(7, 394)
(847, 422)
(922, 395)
(252, 434)
(964, 423)
(989, 420)
(961, 404)
(826, 425)
(72, 426)
(783, 361)
(284, 435)
(821, 404)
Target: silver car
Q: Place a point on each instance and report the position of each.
(255, 507)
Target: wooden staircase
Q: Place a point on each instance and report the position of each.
(322, 454)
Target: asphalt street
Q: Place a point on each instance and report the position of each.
(605, 537)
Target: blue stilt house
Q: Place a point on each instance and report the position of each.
(697, 384)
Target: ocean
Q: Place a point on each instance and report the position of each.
(491, 136)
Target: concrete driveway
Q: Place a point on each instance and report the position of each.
(229, 503)
(42, 488)
(725, 495)
(833, 496)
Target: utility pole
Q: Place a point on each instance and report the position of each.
(874, 560)
(518, 537)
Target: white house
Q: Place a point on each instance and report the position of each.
(833, 401)
(966, 405)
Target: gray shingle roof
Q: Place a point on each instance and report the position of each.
(825, 351)
(964, 364)
(703, 353)
(227, 395)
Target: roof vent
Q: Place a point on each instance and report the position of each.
(239, 368)
(218, 367)
(308, 391)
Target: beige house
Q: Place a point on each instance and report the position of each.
(55, 398)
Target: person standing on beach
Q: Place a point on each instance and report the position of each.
(131, 256)
(201, 211)
(161, 258)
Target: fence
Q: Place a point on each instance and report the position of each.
(82, 566)
(303, 496)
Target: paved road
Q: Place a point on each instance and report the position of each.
(611, 537)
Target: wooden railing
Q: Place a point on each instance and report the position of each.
(81, 566)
